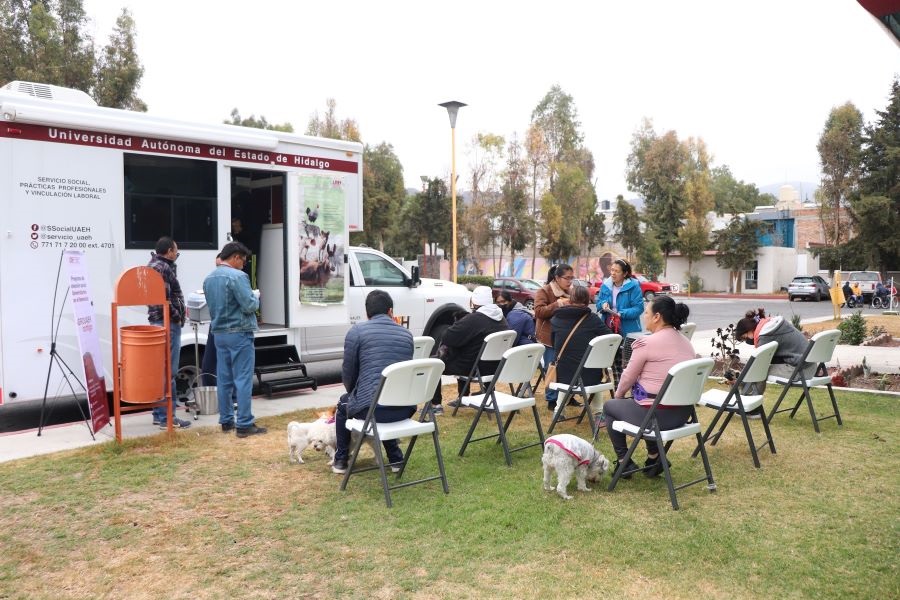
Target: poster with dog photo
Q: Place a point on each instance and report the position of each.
(321, 239)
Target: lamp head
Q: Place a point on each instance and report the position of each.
(452, 108)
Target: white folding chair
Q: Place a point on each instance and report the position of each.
(422, 346)
(688, 329)
(516, 368)
(744, 398)
(819, 351)
(492, 349)
(406, 383)
(600, 354)
(682, 387)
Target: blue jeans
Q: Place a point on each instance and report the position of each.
(383, 414)
(175, 348)
(234, 377)
(549, 357)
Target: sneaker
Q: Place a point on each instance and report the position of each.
(551, 406)
(227, 427)
(654, 467)
(437, 409)
(339, 467)
(176, 423)
(454, 404)
(574, 402)
(631, 466)
(243, 432)
(600, 421)
(156, 419)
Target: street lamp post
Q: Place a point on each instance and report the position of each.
(452, 109)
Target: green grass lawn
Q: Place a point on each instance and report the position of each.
(210, 516)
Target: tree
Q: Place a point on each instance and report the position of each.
(516, 226)
(627, 225)
(477, 226)
(877, 211)
(260, 123)
(576, 200)
(839, 151)
(330, 126)
(649, 256)
(732, 196)
(383, 194)
(539, 166)
(432, 218)
(553, 247)
(656, 170)
(556, 118)
(693, 238)
(48, 42)
(737, 245)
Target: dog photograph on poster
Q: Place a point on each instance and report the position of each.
(321, 240)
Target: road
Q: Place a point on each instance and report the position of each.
(708, 313)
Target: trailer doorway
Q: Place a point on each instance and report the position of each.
(258, 205)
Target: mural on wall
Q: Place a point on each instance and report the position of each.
(591, 269)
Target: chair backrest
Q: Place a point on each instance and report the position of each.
(757, 368)
(602, 351)
(822, 346)
(422, 346)
(495, 344)
(519, 364)
(410, 382)
(685, 381)
(688, 329)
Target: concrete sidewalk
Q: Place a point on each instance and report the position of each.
(22, 444)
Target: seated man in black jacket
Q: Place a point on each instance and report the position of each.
(462, 341)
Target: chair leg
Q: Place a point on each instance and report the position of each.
(354, 453)
(465, 443)
(440, 460)
(506, 424)
(537, 423)
(379, 460)
(750, 441)
(668, 472)
(409, 449)
(812, 410)
(781, 396)
(711, 484)
(837, 413)
(719, 433)
(557, 414)
(712, 425)
(502, 433)
(621, 468)
(765, 422)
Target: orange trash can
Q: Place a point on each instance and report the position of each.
(143, 363)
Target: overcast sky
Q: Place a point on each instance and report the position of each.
(756, 80)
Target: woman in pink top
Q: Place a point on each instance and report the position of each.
(651, 358)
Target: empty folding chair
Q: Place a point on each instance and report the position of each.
(516, 369)
(818, 352)
(492, 349)
(682, 387)
(422, 346)
(742, 399)
(407, 383)
(688, 329)
(600, 354)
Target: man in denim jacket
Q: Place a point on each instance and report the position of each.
(232, 306)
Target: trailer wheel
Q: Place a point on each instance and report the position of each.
(186, 378)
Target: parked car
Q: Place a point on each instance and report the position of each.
(653, 288)
(521, 290)
(808, 287)
(866, 281)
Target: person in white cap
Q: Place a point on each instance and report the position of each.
(462, 340)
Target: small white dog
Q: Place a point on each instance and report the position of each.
(567, 454)
(320, 434)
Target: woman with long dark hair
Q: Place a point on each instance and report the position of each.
(652, 357)
(547, 300)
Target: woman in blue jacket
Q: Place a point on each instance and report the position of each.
(620, 295)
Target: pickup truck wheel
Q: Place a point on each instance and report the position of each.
(437, 332)
(649, 296)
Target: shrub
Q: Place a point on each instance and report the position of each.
(795, 321)
(725, 351)
(853, 329)
(696, 283)
(475, 280)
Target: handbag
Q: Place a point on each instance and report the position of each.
(615, 323)
(550, 375)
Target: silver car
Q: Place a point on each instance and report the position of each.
(810, 287)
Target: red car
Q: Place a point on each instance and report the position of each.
(521, 290)
(649, 289)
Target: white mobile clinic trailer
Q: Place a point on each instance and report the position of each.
(111, 182)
